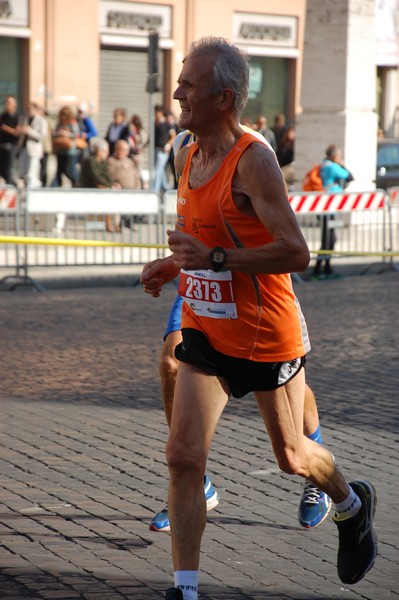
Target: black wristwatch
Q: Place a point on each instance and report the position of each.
(218, 258)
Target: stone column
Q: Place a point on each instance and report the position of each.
(338, 90)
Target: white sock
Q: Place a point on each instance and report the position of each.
(187, 581)
(349, 507)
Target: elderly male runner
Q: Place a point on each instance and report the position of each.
(236, 242)
(315, 504)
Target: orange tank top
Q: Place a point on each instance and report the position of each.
(250, 316)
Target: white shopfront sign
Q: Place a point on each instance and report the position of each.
(14, 18)
(129, 23)
(273, 35)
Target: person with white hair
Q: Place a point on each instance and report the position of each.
(235, 244)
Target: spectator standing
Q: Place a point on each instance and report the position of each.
(118, 129)
(334, 177)
(285, 151)
(9, 134)
(171, 119)
(33, 132)
(64, 138)
(279, 127)
(95, 174)
(286, 154)
(47, 146)
(163, 139)
(138, 141)
(263, 128)
(87, 128)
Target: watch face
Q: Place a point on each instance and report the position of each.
(218, 257)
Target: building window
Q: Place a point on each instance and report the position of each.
(11, 69)
(268, 88)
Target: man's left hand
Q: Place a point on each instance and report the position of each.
(188, 252)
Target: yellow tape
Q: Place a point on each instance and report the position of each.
(8, 239)
(354, 253)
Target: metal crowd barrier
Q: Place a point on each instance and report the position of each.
(394, 208)
(66, 226)
(63, 216)
(9, 222)
(362, 221)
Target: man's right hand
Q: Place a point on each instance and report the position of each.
(156, 273)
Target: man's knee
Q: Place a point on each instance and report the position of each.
(182, 457)
(292, 462)
(168, 363)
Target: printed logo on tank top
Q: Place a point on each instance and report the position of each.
(197, 224)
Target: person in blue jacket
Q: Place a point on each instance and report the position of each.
(334, 177)
(86, 125)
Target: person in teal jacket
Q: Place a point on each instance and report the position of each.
(334, 177)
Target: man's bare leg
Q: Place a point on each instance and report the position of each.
(311, 414)
(198, 403)
(313, 507)
(168, 370)
(282, 412)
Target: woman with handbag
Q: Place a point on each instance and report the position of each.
(66, 140)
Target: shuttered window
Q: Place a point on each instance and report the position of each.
(123, 81)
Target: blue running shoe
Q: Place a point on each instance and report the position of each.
(161, 520)
(314, 506)
(211, 495)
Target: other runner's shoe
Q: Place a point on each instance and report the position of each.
(161, 520)
(314, 506)
(211, 495)
(174, 594)
(358, 547)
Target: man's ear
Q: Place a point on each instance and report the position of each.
(227, 98)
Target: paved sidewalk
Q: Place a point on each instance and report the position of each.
(82, 436)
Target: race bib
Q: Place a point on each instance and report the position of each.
(208, 294)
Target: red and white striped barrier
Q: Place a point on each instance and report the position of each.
(394, 195)
(322, 202)
(8, 198)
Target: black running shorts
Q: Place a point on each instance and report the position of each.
(242, 375)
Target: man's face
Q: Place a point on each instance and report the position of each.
(198, 107)
(118, 117)
(121, 151)
(32, 110)
(10, 105)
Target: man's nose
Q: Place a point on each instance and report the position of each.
(177, 94)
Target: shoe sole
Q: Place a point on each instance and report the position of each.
(211, 503)
(160, 529)
(321, 521)
(373, 501)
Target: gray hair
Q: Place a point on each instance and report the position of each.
(97, 143)
(230, 69)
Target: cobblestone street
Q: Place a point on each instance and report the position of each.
(82, 467)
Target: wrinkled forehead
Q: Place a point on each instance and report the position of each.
(197, 68)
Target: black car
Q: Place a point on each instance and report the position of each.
(387, 164)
